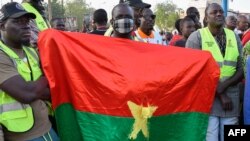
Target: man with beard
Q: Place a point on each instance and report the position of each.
(122, 21)
(146, 31)
(225, 47)
(24, 115)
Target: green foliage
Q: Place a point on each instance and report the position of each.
(166, 15)
(57, 9)
(78, 8)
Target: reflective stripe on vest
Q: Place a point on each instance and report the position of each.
(40, 22)
(15, 116)
(227, 63)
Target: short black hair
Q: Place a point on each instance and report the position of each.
(193, 17)
(208, 6)
(100, 16)
(185, 19)
(177, 25)
(119, 5)
(191, 9)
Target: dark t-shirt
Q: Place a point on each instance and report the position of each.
(98, 32)
(180, 43)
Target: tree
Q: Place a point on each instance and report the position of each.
(57, 9)
(78, 8)
(166, 14)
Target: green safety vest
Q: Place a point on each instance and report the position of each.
(227, 63)
(16, 116)
(40, 22)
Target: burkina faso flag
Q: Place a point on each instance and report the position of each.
(109, 89)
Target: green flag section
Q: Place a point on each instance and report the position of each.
(112, 89)
(173, 127)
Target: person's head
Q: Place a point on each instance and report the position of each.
(38, 5)
(138, 7)
(193, 11)
(196, 21)
(214, 16)
(87, 23)
(58, 23)
(122, 20)
(242, 23)
(147, 20)
(231, 22)
(14, 24)
(187, 26)
(177, 26)
(100, 17)
(169, 36)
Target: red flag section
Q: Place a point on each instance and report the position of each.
(101, 74)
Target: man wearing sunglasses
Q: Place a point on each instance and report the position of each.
(146, 31)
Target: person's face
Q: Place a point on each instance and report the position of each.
(169, 36)
(243, 24)
(122, 12)
(187, 28)
(59, 25)
(137, 15)
(147, 19)
(215, 16)
(231, 22)
(17, 30)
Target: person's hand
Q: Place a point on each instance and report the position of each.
(226, 102)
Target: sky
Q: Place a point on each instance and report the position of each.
(237, 5)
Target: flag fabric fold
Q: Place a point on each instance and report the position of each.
(110, 89)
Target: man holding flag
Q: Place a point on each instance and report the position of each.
(23, 89)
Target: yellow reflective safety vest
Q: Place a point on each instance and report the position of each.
(227, 63)
(16, 116)
(40, 22)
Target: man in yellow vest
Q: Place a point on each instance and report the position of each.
(225, 47)
(23, 113)
(40, 23)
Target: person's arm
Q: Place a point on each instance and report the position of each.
(14, 85)
(26, 92)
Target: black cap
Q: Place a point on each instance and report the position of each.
(137, 3)
(14, 10)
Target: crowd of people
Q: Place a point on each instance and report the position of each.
(24, 106)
